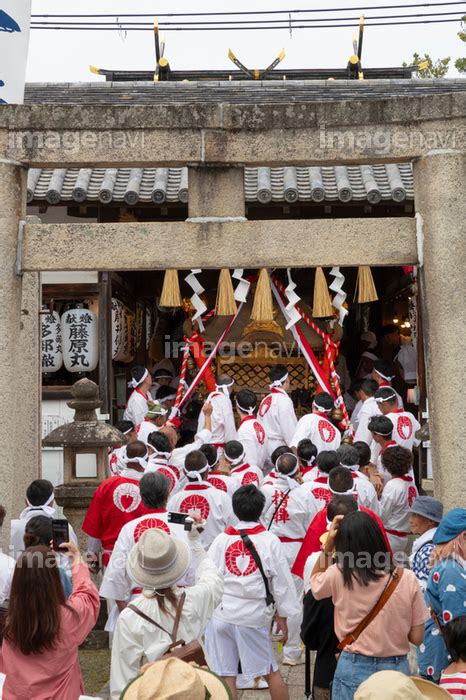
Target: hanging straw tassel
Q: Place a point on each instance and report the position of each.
(171, 296)
(365, 286)
(226, 305)
(322, 305)
(262, 308)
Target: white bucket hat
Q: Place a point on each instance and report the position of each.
(174, 679)
(157, 560)
(393, 685)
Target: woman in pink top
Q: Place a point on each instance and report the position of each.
(355, 583)
(39, 654)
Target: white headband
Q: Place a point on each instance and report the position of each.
(134, 383)
(351, 492)
(142, 461)
(391, 397)
(224, 387)
(384, 376)
(279, 382)
(321, 408)
(236, 460)
(45, 507)
(249, 411)
(377, 432)
(156, 452)
(307, 462)
(352, 467)
(125, 432)
(295, 470)
(197, 474)
(170, 397)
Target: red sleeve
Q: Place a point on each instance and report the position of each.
(375, 517)
(311, 542)
(92, 524)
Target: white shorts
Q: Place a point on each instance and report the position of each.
(229, 645)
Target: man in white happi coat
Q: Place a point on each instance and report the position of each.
(272, 476)
(116, 457)
(405, 425)
(158, 446)
(154, 419)
(141, 382)
(318, 485)
(384, 374)
(307, 454)
(367, 494)
(276, 412)
(234, 458)
(40, 500)
(219, 477)
(211, 504)
(382, 430)
(288, 512)
(251, 433)
(397, 498)
(369, 409)
(117, 584)
(317, 427)
(223, 420)
(239, 632)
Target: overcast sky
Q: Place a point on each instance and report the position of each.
(65, 55)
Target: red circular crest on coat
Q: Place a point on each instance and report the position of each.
(175, 470)
(148, 524)
(326, 430)
(260, 432)
(265, 405)
(447, 616)
(404, 427)
(436, 577)
(322, 494)
(249, 478)
(238, 560)
(197, 503)
(170, 476)
(412, 494)
(218, 483)
(430, 670)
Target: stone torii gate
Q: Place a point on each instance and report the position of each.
(215, 141)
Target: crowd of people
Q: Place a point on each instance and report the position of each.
(260, 528)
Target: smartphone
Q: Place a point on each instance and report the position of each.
(60, 534)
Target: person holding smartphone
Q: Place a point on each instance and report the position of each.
(43, 630)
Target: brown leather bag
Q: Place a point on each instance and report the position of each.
(191, 652)
(392, 583)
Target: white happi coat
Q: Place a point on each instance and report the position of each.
(367, 495)
(115, 463)
(251, 435)
(224, 482)
(223, 420)
(243, 600)
(137, 407)
(368, 410)
(211, 503)
(288, 518)
(247, 474)
(144, 429)
(397, 498)
(381, 469)
(116, 583)
(18, 527)
(355, 414)
(278, 417)
(319, 489)
(317, 428)
(157, 463)
(405, 427)
(178, 455)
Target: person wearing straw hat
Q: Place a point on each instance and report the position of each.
(424, 516)
(316, 425)
(405, 425)
(154, 419)
(157, 562)
(173, 679)
(445, 592)
(250, 433)
(141, 382)
(276, 412)
(392, 685)
(223, 419)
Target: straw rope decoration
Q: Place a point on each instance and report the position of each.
(262, 309)
(365, 286)
(322, 304)
(171, 295)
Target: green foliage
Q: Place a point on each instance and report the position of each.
(430, 68)
(460, 63)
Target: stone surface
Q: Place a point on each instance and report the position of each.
(216, 192)
(442, 207)
(155, 245)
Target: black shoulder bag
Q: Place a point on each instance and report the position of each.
(269, 599)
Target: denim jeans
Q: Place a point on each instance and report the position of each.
(353, 669)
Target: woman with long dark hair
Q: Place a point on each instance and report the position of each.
(43, 630)
(362, 575)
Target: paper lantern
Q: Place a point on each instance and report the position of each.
(52, 357)
(79, 331)
(130, 335)
(118, 330)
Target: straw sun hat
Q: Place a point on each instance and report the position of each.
(393, 685)
(157, 560)
(173, 679)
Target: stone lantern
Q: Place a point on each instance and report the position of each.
(85, 442)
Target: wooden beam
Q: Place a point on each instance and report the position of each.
(217, 244)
